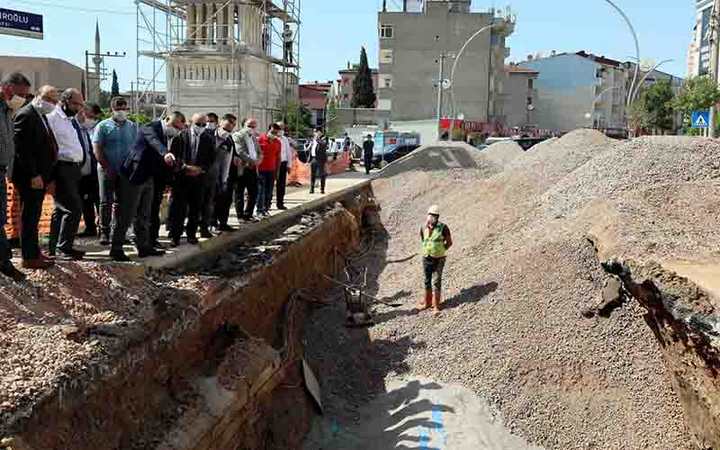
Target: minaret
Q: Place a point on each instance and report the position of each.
(94, 89)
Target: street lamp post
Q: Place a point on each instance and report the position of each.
(642, 80)
(637, 48)
(454, 68)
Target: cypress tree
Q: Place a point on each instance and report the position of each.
(363, 89)
(115, 89)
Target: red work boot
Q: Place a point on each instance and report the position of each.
(437, 301)
(425, 304)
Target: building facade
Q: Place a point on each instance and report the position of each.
(41, 71)
(579, 90)
(314, 97)
(347, 77)
(224, 62)
(411, 45)
(521, 97)
(698, 57)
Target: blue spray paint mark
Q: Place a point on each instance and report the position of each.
(437, 417)
(424, 439)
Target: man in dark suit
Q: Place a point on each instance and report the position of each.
(194, 152)
(173, 125)
(35, 158)
(368, 148)
(317, 151)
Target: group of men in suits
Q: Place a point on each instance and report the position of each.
(113, 174)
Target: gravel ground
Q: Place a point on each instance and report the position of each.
(521, 272)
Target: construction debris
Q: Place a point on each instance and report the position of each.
(524, 270)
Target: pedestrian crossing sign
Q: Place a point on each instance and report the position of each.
(701, 119)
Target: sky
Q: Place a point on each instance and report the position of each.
(333, 31)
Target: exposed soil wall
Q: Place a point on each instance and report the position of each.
(687, 327)
(215, 355)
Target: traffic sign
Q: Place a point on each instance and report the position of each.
(19, 23)
(701, 119)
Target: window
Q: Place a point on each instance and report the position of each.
(386, 31)
(531, 83)
(386, 56)
(386, 81)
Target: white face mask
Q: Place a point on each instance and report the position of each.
(212, 126)
(120, 116)
(16, 102)
(198, 129)
(44, 107)
(171, 132)
(89, 124)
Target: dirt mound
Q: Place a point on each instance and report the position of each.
(436, 157)
(501, 153)
(523, 270)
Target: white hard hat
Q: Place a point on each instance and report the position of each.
(434, 210)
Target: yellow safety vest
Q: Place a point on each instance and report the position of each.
(434, 242)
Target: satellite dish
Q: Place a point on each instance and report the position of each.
(531, 107)
(446, 84)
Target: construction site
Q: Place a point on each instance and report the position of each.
(579, 312)
(237, 56)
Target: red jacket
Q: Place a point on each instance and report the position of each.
(271, 149)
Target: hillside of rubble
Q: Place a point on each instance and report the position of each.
(525, 322)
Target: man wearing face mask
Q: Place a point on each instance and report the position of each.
(89, 185)
(227, 178)
(194, 152)
(317, 149)
(287, 154)
(14, 89)
(35, 158)
(267, 169)
(113, 140)
(436, 241)
(248, 157)
(71, 156)
(168, 129)
(210, 189)
(146, 160)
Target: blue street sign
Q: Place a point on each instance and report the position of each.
(701, 119)
(18, 23)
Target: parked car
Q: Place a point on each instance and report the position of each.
(391, 153)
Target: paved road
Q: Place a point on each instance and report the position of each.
(418, 414)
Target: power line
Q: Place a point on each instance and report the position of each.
(73, 8)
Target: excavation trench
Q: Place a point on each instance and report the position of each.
(215, 360)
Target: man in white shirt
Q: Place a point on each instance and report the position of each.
(287, 155)
(71, 155)
(288, 38)
(249, 156)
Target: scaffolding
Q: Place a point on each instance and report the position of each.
(237, 38)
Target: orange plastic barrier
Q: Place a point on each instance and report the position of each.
(13, 210)
(300, 172)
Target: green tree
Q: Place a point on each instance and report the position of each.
(363, 89)
(298, 119)
(333, 128)
(698, 93)
(654, 109)
(115, 90)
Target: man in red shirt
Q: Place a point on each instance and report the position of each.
(271, 147)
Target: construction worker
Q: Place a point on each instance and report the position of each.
(436, 241)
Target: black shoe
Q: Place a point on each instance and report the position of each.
(206, 234)
(158, 245)
(175, 243)
(11, 272)
(282, 207)
(226, 228)
(119, 256)
(71, 254)
(192, 240)
(322, 192)
(105, 239)
(146, 253)
(312, 191)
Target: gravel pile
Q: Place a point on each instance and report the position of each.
(448, 156)
(501, 153)
(523, 270)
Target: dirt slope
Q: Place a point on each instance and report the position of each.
(523, 270)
